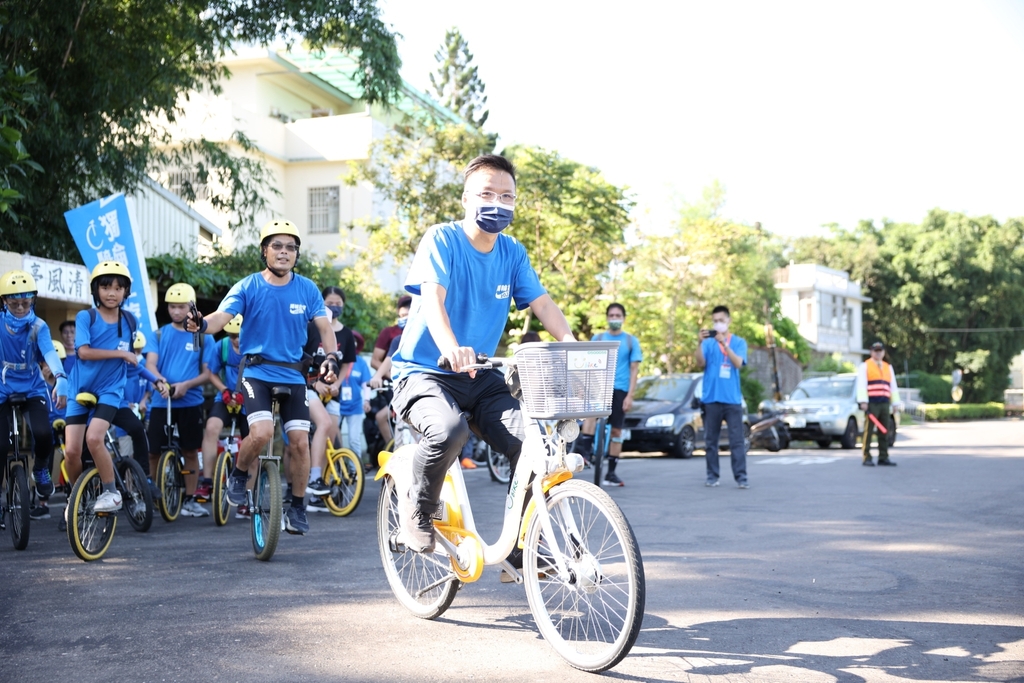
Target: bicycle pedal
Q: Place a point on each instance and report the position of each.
(393, 544)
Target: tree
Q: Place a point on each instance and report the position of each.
(457, 83)
(18, 95)
(111, 74)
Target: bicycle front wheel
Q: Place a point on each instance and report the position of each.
(138, 500)
(424, 584)
(221, 508)
(346, 478)
(89, 533)
(591, 611)
(19, 503)
(171, 484)
(266, 510)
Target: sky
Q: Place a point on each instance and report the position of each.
(808, 113)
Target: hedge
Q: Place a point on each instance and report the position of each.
(964, 411)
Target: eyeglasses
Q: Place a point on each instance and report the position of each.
(506, 198)
(291, 247)
(16, 301)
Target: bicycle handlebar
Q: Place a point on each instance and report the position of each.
(482, 363)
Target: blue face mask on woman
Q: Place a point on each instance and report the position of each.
(336, 311)
(493, 218)
(18, 325)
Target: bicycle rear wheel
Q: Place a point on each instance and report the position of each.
(89, 533)
(424, 584)
(266, 510)
(591, 615)
(346, 478)
(19, 504)
(172, 484)
(138, 500)
(221, 508)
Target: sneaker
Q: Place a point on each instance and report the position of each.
(612, 479)
(204, 490)
(108, 501)
(242, 512)
(154, 490)
(40, 512)
(192, 508)
(468, 464)
(711, 482)
(295, 521)
(317, 505)
(886, 463)
(317, 488)
(44, 485)
(868, 462)
(743, 484)
(236, 489)
(418, 531)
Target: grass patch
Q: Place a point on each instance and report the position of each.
(939, 412)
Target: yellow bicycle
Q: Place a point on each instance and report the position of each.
(344, 474)
(582, 567)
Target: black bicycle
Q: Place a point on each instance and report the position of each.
(18, 499)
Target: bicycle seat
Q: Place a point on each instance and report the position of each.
(17, 399)
(86, 399)
(278, 392)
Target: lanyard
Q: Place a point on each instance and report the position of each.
(725, 353)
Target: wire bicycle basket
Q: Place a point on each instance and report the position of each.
(567, 380)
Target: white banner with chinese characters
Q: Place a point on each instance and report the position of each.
(59, 280)
(103, 231)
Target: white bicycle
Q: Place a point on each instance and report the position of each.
(582, 568)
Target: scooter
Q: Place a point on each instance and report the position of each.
(770, 432)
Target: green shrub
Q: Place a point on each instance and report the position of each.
(753, 391)
(833, 363)
(934, 388)
(963, 411)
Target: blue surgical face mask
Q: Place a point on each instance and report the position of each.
(493, 218)
(16, 324)
(401, 322)
(336, 311)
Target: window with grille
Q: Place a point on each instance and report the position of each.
(179, 181)
(324, 209)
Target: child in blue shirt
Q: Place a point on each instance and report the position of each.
(173, 357)
(103, 342)
(24, 341)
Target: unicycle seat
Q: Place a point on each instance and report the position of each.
(86, 399)
(280, 392)
(17, 399)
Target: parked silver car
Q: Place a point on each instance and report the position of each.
(825, 409)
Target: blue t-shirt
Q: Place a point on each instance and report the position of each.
(629, 352)
(353, 388)
(104, 378)
(68, 363)
(276, 317)
(479, 288)
(20, 359)
(134, 385)
(228, 371)
(721, 379)
(178, 361)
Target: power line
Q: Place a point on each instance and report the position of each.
(973, 329)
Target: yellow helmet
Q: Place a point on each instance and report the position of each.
(110, 268)
(139, 341)
(281, 227)
(180, 293)
(61, 353)
(234, 326)
(17, 282)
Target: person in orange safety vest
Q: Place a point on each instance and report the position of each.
(876, 393)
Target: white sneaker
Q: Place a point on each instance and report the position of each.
(191, 508)
(107, 502)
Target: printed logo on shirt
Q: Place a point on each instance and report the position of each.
(122, 346)
(297, 309)
(503, 292)
(188, 346)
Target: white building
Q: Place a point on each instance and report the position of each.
(301, 111)
(827, 307)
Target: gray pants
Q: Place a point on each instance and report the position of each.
(732, 413)
(437, 406)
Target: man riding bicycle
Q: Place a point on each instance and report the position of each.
(277, 304)
(464, 273)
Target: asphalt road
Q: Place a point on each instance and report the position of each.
(822, 571)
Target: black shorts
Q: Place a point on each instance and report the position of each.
(190, 428)
(259, 404)
(220, 411)
(618, 416)
(101, 411)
